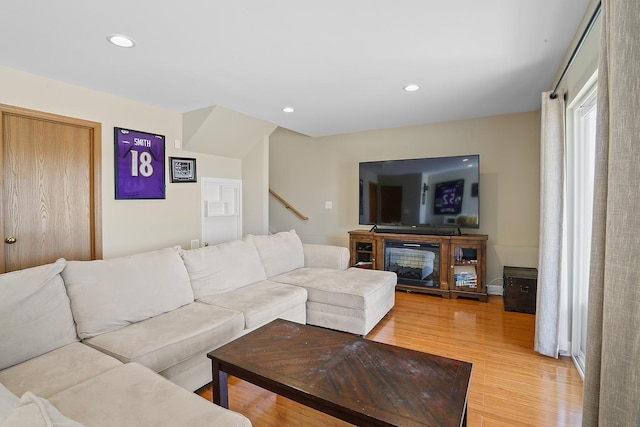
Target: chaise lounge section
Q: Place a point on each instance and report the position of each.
(346, 299)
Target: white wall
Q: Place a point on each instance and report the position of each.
(586, 61)
(128, 226)
(309, 171)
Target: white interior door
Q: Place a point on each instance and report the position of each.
(221, 210)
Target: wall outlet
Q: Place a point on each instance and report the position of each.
(328, 204)
(195, 244)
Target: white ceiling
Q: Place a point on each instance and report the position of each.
(341, 64)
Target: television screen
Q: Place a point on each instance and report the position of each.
(427, 192)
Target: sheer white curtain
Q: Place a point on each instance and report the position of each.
(552, 176)
(612, 375)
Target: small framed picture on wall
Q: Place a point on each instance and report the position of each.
(183, 169)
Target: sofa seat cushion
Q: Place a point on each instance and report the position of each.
(280, 252)
(224, 267)
(57, 370)
(109, 294)
(300, 276)
(260, 302)
(166, 340)
(34, 313)
(132, 395)
(354, 288)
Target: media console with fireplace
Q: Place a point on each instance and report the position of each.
(450, 266)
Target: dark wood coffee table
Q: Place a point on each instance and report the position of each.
(359, 381)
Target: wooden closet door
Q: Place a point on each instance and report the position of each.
(48, 191)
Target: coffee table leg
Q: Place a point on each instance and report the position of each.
(220, 386)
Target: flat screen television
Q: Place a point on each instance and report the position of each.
(427, 193)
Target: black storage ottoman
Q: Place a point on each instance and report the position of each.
(520, 285)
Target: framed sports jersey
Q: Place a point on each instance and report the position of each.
(139, 164)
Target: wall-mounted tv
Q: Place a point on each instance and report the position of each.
(434, 192)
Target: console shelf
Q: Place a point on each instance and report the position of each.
(449, 266)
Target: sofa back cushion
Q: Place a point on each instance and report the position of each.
(109, 294)
(280, 252)
(224, 267)
(34, 313)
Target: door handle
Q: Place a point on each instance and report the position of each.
(10, 240)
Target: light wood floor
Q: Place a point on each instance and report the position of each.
(511, 384)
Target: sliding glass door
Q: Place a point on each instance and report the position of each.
(580, 178)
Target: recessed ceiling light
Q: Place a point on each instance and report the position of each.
(121, 41)
(411, 88)
(288, 109)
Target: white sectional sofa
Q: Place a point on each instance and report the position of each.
(117, 342)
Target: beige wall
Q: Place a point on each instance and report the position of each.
(309, 171)
(128, 225)
(255, 189)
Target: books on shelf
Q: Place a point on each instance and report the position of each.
(364, 264)
(465, 276)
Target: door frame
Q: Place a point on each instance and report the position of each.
(95, 130)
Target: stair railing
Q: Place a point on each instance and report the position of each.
(287, 205)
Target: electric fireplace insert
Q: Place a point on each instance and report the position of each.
(415, 264)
